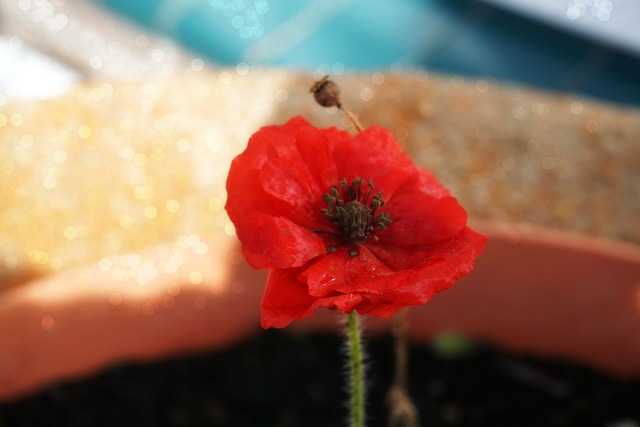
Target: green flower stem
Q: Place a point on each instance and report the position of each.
(356, 370)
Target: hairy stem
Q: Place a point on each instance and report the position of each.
(356, 370)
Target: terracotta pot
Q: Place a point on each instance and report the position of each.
(535, 290)
(161, 179)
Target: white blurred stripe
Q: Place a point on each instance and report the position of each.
(69, 40)
(27, 73)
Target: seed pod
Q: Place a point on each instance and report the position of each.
(326, 92)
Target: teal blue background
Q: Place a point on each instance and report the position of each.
(453, 36)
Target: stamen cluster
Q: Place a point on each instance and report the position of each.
(354, 210)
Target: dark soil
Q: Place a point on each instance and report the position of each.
(281, 380)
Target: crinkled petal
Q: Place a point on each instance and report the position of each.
(422, 213)
(436, 266)
(287, 244)
(287, 299)
(459, 251)
(244, 187)
(361, 274)
(316, 148)
(271, 199)
(389, 279)
(301, 176)
(277, 242)
(287, 180)
(280, 139)
(436, 269)
(374, 154)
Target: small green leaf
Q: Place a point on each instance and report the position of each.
(452, 345)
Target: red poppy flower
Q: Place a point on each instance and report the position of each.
(348, 223)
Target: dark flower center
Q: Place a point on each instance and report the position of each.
(354, 211)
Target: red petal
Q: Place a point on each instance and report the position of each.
(270, 241)
(316, 149)
(289, 245)
(442, 262)
(286, 299)
(374, 154)
(391, 278)
(280, 138)
(423, 213)
(273, 202)
(243, 184)
(436, 270)
(291, 193)
(362, 274)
